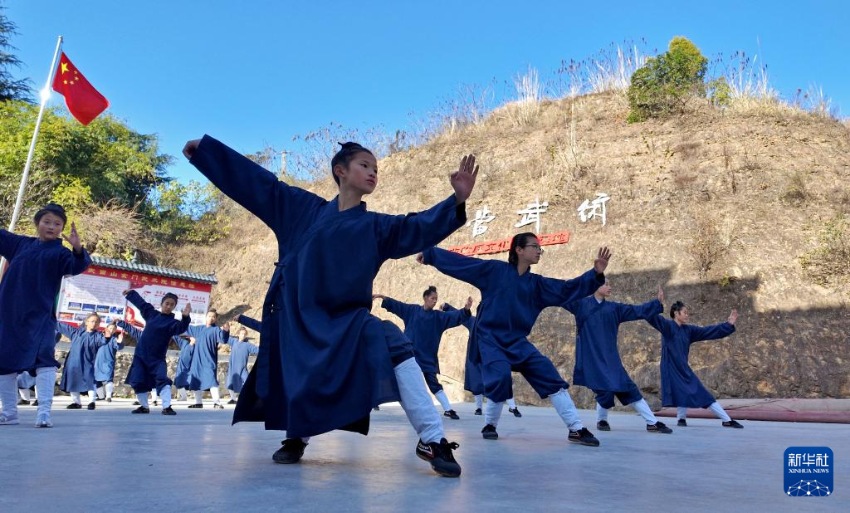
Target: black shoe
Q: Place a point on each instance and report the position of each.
(489, 432)
(155, 402)
(23, 402)
(659, 427)
(169, 411)
(74, 406)
(232, 401)
(141, 409)
(733, 424)
(603, 425)
(682, 423)
(440, 456)
(218, 406)
(196, 406)
(290, 452)
(451, 414)
(515, 411)
(35, 403)
(478, 411)
(109, 399)
(583, 437)
(136, 403)
(91, 406)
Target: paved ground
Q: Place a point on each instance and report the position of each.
(108, 459)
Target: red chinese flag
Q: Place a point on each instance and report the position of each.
(82, 99)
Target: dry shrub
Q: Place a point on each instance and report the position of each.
(707, 245)
(110, 230)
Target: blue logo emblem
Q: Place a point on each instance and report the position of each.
(809, 471)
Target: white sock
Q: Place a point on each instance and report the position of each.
(566, 409)
(26, 394)
(143, 399)
(681, 412)
(181, 394)
(601, 413)
(199, 396)
(444, 401)
(92, 395)
(75, 397)
(511, 403)
(643, 408)
(153, 395)
(8, 385)
(45, 380)
(416, 402)
(100, 393)
(216, 395)
(479, 401)
(110, 388)
(165, 394)
(719, 411)
(492, 413)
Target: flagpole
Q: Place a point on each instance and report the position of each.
(45, 95)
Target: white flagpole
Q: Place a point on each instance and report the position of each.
(45, 95)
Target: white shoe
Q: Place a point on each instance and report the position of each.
(43, 421)
(8, 421)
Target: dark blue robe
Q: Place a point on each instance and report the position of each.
(149, 370)
(679, 385)
(425, 329)
(184, 362)
(203, 371)
(598, 365)
(324, 361)
(28, 299)
(472, 379)
(510, 305)
(104, 362)
(78, 372)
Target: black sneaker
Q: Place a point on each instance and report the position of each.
(23, 402)
(583, 437)
(136, 403)
(489, 432)
(196, 406)
(232, 401)
(218, 406)
(440, 456)
(109, 399)
(603, 425)
(451, 414)
(659, 427)
(478, 411)
(169, 411)
(35, 403)
(733, 424)
(515, 411)
(290, 452)
(91, 406)
(682, 423)
(74, 406)
(155, 402)
(141, 409)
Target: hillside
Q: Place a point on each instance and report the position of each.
(749, 191)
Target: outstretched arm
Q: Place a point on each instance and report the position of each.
(9, 243)
(66, 329)
(471, 270)
(402, 310)
(134, 332)
(715, 331)
(248, 322)
(146, 309)
(626, 313)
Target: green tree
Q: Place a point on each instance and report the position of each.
(665, 83)
(10, 89)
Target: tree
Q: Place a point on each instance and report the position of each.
(10, 89)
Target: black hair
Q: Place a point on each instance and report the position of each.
(345, 154)
(431, 290)
(213, 310)
(677, 306)
(169, 295)
(519, 241)
(51, 208)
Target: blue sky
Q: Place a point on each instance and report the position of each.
(257, 73)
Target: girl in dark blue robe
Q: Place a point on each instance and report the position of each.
(149, 370)
(240, 351)
(203, 371)
(78, 371)
(104, 362)
(680, 387)
(598, 365)
(424, 326)
(28, 292)
(512, 298)
(324, 360)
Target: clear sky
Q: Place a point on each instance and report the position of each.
(258, 72)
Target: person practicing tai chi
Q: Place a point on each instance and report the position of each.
(104, 363)
(28, 293)
(598, 365)
(149, 370)
(203, 371)
(78, 371)
(240, 350)
(184, 364)
(680, 387)
(512, 298)
(324, 360)
(424, 326)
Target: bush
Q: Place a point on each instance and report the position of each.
(665, 84)
(829, 262)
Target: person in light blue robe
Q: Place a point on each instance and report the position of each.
(28, 291)
(240, 350)
(78, 371)
(324, 360)
(104, 362)
(680, 387)
(203, 371)
(512, 298)
(184, 364)
(424, 326)
(598, 365)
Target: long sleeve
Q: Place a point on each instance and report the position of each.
(402, 310)
(555, 292)
(409, 234)
(454, 318)
(626, 313)
(180, 327)
(250, 323)
(66, 329)
(658, 322)
(474, 271)
(713, 332)
(79, 262)
(252, 349)
(133, 331)
(146, 309)
(9, 243)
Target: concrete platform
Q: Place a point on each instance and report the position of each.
(108, 459)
